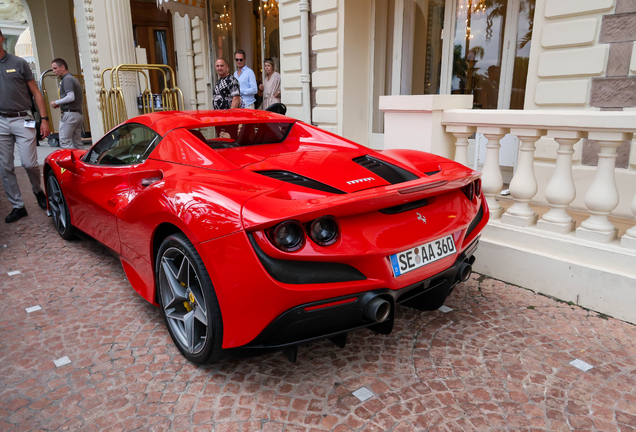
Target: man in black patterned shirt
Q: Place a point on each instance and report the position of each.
(227, 91)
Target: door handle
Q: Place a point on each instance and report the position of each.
(110, 203)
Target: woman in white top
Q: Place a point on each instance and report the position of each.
(271, 86)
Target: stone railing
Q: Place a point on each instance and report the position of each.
(609, 129)
(441, 124)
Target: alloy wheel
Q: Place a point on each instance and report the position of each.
(57, 205)
(183, 301)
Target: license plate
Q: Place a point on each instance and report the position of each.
(419, 256)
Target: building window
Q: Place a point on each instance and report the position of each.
(485, 53)
(491, 49)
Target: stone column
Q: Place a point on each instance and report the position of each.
(104, 33)
(523, 186)
(602, 196)
(122, 49)
(415, 122)
(461, 144)
(560, 191)
(492, 180)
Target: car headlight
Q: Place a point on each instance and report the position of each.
(288, 236)
(324, 230)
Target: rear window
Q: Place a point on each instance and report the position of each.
(244, 134)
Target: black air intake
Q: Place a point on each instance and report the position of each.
(388, 172)
(290, 177)
(476, 220)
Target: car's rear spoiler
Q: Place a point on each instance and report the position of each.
(268, 209)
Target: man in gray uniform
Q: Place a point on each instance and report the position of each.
(17, 128)
(71, 106)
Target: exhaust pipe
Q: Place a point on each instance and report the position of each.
(377, 310)
(464, 271)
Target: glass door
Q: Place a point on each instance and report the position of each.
(491, 50)
(251, 25)
(222, 29)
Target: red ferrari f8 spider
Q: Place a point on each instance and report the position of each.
(250, 229)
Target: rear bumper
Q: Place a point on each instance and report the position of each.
(258, 286)
(331, 317)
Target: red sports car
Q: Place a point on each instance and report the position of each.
(250, 229)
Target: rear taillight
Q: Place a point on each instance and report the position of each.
(472, 190)
(469, 191)
(324, 231)
(288, 236)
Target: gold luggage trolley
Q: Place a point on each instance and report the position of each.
(113, 102)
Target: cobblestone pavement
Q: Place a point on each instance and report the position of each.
(498, 361)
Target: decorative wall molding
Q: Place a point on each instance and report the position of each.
(12, 10)
(92, 42)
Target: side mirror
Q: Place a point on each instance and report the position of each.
(69, 162)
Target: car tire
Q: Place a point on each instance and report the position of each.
(188, 301)
(59, 208)
(431, 300)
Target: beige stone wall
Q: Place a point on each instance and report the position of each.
(617, 90)
(326, 79)
(582, 55)
(356, 54)
(200, 45)
(326, 57)
(290, 64)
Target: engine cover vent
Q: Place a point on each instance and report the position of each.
(290, 177)
(388, 172)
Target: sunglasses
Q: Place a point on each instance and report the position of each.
(239, 59)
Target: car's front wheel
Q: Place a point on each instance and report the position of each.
(59, 208)
(188, 301)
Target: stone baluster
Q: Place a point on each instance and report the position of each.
(629, 239)
(560, 191)
(492, 180)
(523, 186)
(602, 196)
(461, 144)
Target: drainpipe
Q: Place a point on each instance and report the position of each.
(305, 77)
(194, 102)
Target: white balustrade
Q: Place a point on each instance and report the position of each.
(461, 134)
(629, 239)
(602, 196)
(492, 180)
(538, 177)
(561, 191)
(523, 186)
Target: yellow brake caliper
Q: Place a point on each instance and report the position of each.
(189, 305)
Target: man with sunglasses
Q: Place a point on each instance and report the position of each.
(246, 79)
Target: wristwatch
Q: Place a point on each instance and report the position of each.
(44, 118)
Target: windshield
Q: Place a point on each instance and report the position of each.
(245, 134)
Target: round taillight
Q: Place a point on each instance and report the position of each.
(288, 236)
(324, 230)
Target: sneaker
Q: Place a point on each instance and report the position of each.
(16, 213)
(41, 196)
